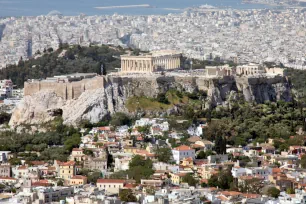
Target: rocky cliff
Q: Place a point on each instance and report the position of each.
(95, 104)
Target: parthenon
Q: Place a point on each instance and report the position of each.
(154, 61)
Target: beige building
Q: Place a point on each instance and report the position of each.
(96, 164)
(5, 170)
(77, 155)
(66, 170)
(111, 186)
(78, 180)
(154, 61)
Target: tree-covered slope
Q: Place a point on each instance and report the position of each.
(65, 60)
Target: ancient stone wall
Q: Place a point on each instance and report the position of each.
(65, 90)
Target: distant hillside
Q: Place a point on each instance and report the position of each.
(65, 60)
(298, 81)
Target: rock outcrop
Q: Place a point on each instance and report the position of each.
(95, 104)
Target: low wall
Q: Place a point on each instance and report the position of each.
(66, 90)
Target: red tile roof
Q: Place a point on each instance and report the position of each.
(7, 178)
(79, 177)
(230, 193)
(182, 148)
(37, 163)
(130, 185)
(110, 181)
(22, 168)
(104, 128)
(41, 184)
(69, 163)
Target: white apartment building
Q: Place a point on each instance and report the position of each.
(182, 152)
(6, 88)
(252, 171)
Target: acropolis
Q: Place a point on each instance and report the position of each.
(154, 61)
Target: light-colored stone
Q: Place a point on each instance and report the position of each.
(97, 103)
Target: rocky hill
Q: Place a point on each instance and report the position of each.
(96, 104)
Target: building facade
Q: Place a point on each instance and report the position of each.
(96, 164)
(5, 171)
(78, 180)
(66, 170)
(154, 61)
(182, 152)
(111, 186)
(250, 69)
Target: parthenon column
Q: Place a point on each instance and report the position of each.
(169, 64)
(129, 65)
(147, 65)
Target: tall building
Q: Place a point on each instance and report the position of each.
(6, 88)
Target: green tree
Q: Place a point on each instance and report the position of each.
(188, 178)
(72, 142)
(95, 138)
(290, 191)
(162, 98)
(138, 160)
(4, 117)
(201, 155)
(60, 182)
(119, 119)
(204, 155)
(126, 195)
(15, 161)
(273, 192)
(223, 179)
(303, 161)
(144, 129)
(93, 176)
(163, 154)
(220, 145)
(88, 152)
(139, 168)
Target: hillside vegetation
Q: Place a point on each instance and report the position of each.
(65, 60)
(298, 81)
(165, 101)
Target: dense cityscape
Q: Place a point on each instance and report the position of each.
(203, 106)
(245, 35)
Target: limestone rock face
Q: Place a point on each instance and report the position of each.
(34, 109)
(96, 104)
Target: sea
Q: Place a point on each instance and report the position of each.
(76, 7)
